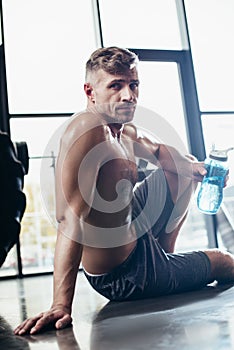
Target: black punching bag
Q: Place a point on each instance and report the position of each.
(12, 199)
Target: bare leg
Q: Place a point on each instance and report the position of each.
(181, 200)
(168, 240)
(222, 265)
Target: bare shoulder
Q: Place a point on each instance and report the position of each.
(84, 127)
(139, 134)
(130, 130)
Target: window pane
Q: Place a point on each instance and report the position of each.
(38, 231)
(46, 50)
(9, 268)
(140, 24)
(160, 92)
(211, 27)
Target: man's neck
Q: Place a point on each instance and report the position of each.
(116, 129)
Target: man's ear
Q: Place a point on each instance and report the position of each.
(89, 92)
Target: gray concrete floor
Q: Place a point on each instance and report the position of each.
(201, 320)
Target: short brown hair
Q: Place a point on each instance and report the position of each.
(112, 60)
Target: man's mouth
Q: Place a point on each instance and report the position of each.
(126, 107)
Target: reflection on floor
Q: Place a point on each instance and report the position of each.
(196, 320)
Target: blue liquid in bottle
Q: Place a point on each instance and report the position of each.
(210, 195)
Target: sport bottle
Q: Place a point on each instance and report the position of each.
(210, 195)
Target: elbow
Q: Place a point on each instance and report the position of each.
(59, 218)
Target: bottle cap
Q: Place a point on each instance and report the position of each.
(220, 155)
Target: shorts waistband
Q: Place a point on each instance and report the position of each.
(93, 274)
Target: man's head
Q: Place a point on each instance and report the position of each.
(112, 60)
(112, 83)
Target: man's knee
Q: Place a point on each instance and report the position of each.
(222, 265)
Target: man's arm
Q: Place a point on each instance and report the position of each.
(71, 209)
(164, 156)
(66, 264)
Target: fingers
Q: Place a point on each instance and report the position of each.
(63, 322)
(199, 171)
(25, 326)
(45, 320)
(35, 324)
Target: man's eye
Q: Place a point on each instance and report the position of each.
(134, 86)
(116, 86)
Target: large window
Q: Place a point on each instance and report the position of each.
(160, 92)
(210, 25)
(46, 46)
(149, 24)
(47, 43)
(211, 28)
(38, 231)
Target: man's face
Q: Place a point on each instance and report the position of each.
(115, 96)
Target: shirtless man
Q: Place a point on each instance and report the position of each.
(124, 235)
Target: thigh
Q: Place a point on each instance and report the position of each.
(154, 272)
(189, 271)
(174, 273)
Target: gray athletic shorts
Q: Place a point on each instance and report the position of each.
(149, 271)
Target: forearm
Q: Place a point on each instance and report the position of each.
(66, 264)
(162, 155)
(169, 159)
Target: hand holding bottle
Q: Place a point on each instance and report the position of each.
(210, 195)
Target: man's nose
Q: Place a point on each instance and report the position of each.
(127, 94)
